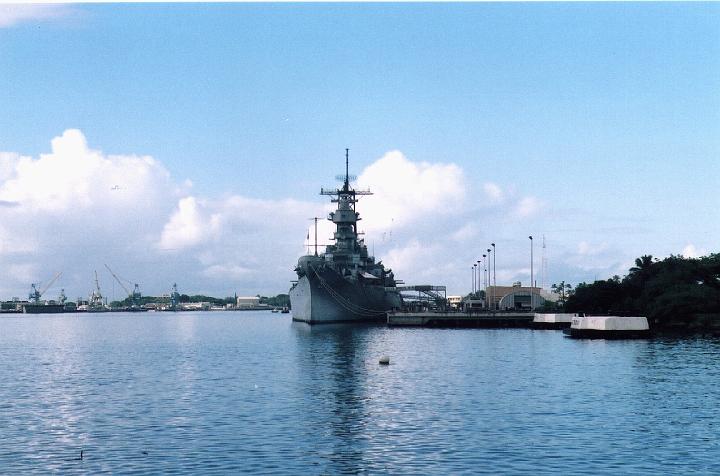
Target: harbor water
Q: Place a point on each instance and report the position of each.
(231, 392)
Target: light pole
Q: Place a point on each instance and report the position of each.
(484, 270)
(477, 278)
(532, 298)
(488, 278)
(474, 268)
(494, 274)
(483, 278)
(472, 279)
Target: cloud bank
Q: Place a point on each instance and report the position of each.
(76, 208)
(14, 14)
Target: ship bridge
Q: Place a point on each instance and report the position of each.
(345, 217)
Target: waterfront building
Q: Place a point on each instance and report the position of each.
(516, 297)
(196, 306)
(250, 301)
(454, 301)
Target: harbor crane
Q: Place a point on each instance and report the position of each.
(134, 295)
(36, 293)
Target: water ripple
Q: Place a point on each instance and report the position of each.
(226, 393)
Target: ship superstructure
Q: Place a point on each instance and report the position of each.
(96, 302)
(344, 283)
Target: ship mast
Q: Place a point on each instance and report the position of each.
(345, 217)
(316, 219)
(347, 174)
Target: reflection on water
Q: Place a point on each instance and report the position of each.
(330, 358)
(193, 393)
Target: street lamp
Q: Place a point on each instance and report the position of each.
(474, 268)
(532, 298)
(477, 277)
(494, 274)
(472, 277)
(489, 282)
(484, 271)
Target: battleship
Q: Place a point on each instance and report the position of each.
(343, 284)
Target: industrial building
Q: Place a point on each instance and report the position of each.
(251, 301)
(516, 297)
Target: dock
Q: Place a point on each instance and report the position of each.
(487, 320)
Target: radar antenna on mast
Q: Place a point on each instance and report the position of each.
(347, 169)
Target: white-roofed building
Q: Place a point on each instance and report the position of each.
(249, 301)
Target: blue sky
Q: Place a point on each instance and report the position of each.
(604, 118)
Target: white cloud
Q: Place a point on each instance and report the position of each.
(189, 226)
(402, 257)
(74, 178)
(493, 192)
(690, 251)
(465, 232)
(405, 192)
(590, 261)
(13, 14)
(239, 241)
(75, 208)
(588, 249)
(528, 206)
(26, 272)
(414, 262)
(218, 271)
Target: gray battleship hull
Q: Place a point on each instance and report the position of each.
(317, 301)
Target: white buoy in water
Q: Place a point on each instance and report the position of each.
(384, 360)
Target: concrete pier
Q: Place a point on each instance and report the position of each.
(552, 321)
(609, 327)
(461, 319)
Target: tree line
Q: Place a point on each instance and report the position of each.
(673, 293)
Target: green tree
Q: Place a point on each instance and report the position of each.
(642, 266)
(563, 290)
(672, 293)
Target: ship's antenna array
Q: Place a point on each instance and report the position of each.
(347, 167)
